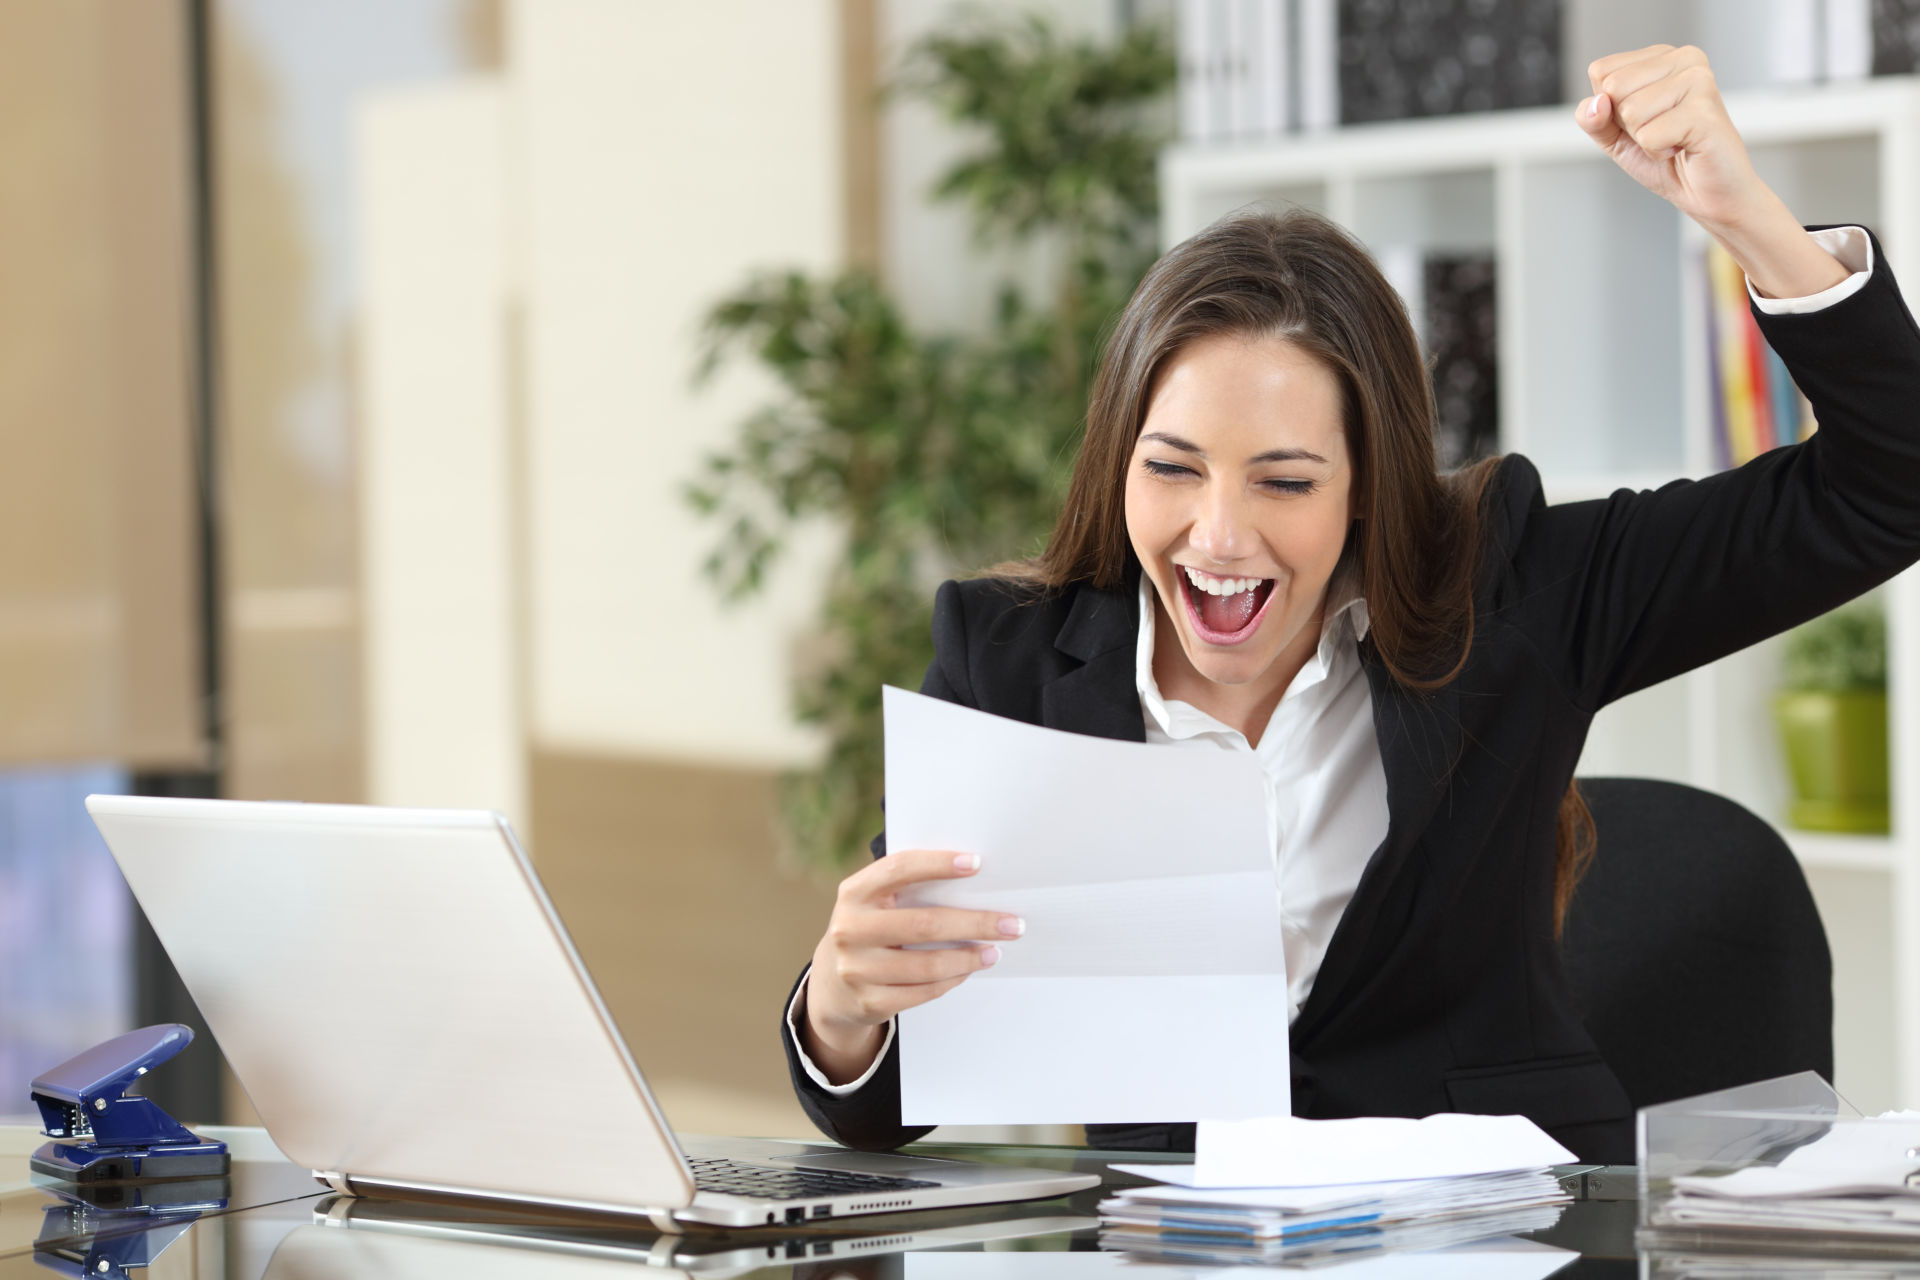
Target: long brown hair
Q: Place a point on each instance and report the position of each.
(1300, 277)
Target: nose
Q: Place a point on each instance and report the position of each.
(1222, 527)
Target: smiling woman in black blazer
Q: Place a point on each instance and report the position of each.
(1257, 552)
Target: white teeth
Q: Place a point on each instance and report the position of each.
(1220, 586)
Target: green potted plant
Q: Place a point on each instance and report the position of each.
(937, 453)
(1832, 712)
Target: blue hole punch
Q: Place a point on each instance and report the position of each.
(103, 1135)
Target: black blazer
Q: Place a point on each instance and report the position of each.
(1442, 988)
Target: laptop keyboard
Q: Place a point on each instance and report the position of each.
(767, 1182)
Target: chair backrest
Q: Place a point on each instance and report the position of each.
(1693, 945)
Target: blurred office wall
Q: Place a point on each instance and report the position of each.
(539, 247)
(536, 246)
(285, 80)
(99, 558)
(458, 255)
(97, 554)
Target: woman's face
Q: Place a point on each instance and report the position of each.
(1239, 497)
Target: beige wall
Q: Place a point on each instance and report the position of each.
(98, 612)
(667, 877)
(438, 486)
(289, 577)
(538, 248)
(662, 152)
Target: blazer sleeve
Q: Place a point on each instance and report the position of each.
(1631, 590)
(868, 1119)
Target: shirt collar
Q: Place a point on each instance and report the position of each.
(1346, 614)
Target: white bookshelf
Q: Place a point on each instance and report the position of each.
(1603, 377)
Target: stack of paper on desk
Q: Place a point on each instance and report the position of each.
(1862, 1179)
(1294, 1190)
(1328, 1223)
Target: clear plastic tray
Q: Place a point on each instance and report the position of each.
(1759, 1126)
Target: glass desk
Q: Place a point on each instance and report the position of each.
(271, 1220)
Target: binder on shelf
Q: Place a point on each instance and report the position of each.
(1199, 70)
(1268, 73)
(1847, 39)
(1236, 68)
(1190, 41)
(1316, 23)
(1236, 51)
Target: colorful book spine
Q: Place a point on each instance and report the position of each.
(1716, 403)
(1765, 436)
(1734, 382)
(1753, 402)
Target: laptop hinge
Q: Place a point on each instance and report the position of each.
(662, 1219)
(337, 1181)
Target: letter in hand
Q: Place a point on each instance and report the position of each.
(879, 957)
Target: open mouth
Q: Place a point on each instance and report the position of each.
(1223, 610)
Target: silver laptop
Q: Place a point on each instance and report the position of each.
(406, 1012)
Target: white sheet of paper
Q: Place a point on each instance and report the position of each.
(1150, 984)
(1857, 1158)
(1287, 1151)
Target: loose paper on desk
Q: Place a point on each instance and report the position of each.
(1287, 1151)
(1150, 984)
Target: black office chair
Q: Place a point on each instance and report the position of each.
(1693, 944)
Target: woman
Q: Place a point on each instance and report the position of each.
(1257, 554)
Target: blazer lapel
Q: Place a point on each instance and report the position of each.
(1420, 740)
(1098, 697)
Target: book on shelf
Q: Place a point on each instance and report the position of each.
(1451, 300)
(1445, 57)
(1264, 68)
(1894, 39)
(1759, 44)
(1461, 336)
(1236, 68)
(1753, 402)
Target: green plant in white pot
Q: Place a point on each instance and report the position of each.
(1832, 712)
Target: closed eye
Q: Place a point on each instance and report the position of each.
(1173, 471)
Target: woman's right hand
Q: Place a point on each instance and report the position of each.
(862, 974)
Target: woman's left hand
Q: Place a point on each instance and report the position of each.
(1658, 113)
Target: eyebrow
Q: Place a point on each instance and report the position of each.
(1271, 455)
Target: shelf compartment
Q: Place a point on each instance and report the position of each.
(1591, 323)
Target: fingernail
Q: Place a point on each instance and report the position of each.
(1012, 926)
(966, 862)
(1593, 106)
(989, 957)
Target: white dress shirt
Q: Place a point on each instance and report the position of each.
(1326, 788)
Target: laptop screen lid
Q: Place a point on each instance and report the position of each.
(398, 997)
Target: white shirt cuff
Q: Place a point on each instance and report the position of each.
(800, 1046)
(1850, 246)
